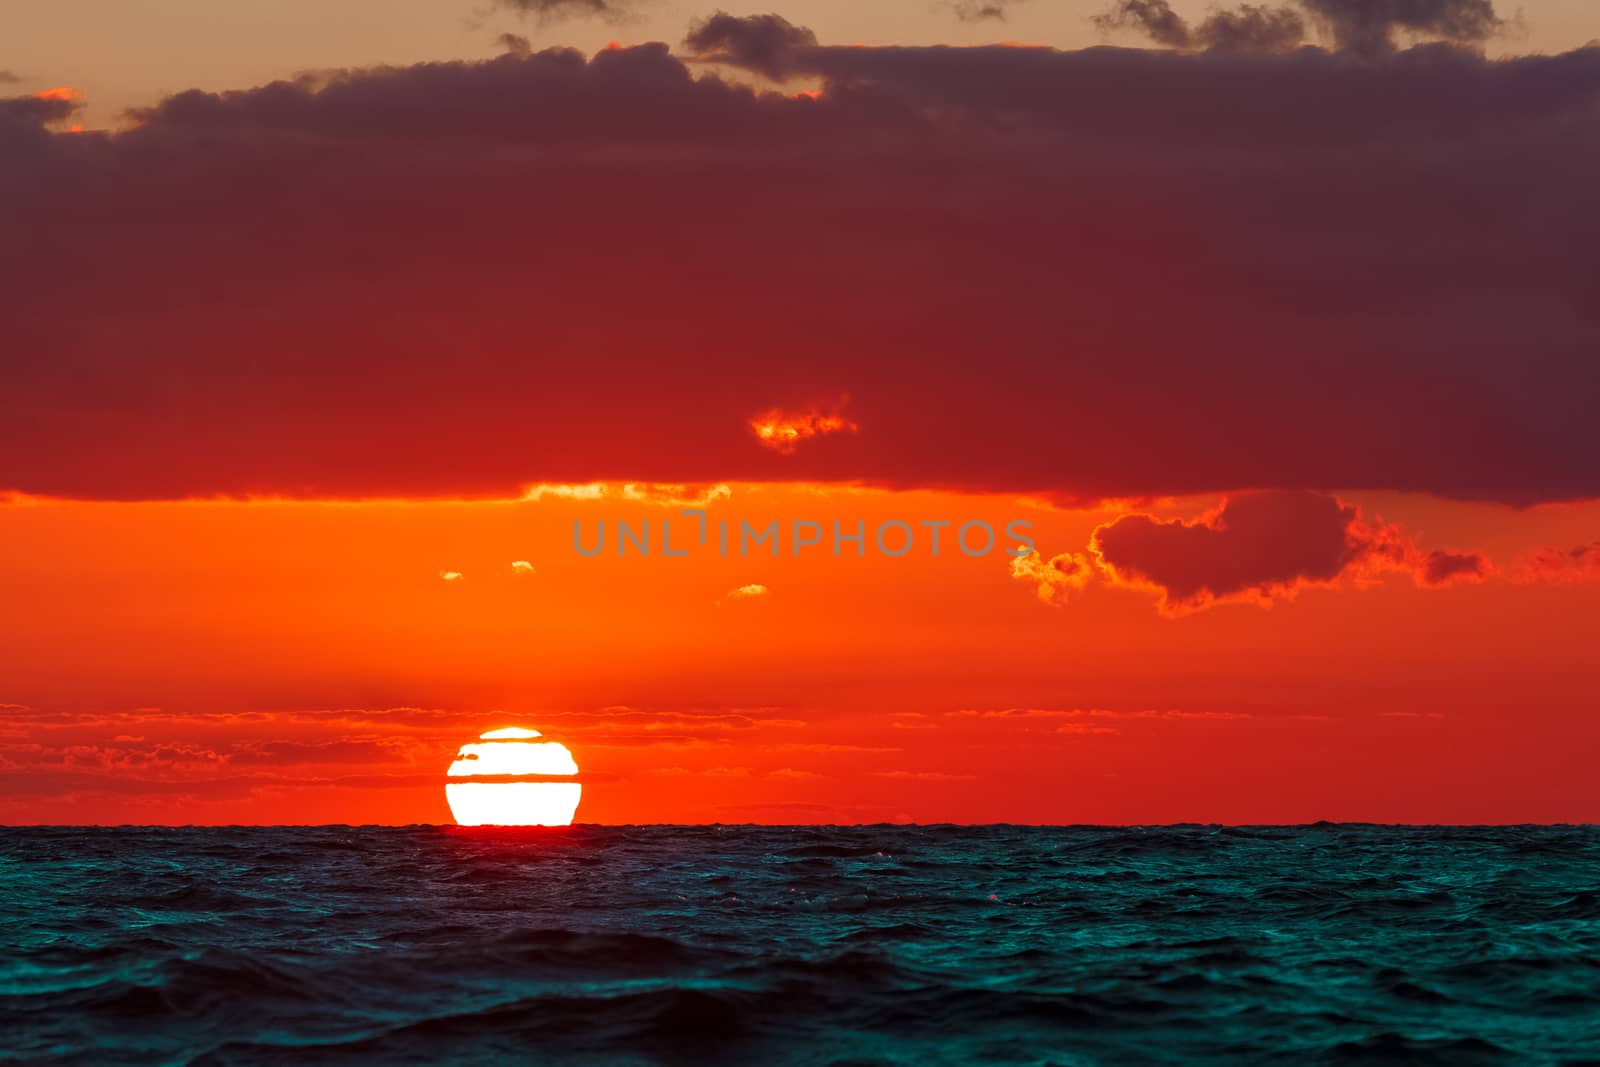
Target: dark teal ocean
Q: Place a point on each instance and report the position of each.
(774, 945)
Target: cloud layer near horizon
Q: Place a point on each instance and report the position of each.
(1107, 272)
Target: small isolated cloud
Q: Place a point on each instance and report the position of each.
(792, 772)
(544, 11)
(749, 592)
(1560, 566)
(769, 45)
(521, 568)
(982, 10)
(1261, 546)
(1056, 577)
(451, 576)
(782, 430)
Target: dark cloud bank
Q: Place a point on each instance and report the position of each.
(1102, 272)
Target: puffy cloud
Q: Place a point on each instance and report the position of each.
(1251, 28)
(1056, 577)
(1246, 28)
(1264, 545)
(769, 45)
(1013, 259)
(1154, 18)
(1364, 27)
(749, 592)
(26, 117)
(451, 576)
(1370, 26)
(521, 568)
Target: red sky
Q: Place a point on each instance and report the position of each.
(1281, 341)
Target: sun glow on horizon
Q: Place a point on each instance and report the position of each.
(524, 786)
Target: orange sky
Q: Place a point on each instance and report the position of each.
(306, 662)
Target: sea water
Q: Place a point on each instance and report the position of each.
(826, 945)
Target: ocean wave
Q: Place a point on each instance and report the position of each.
(916, 945)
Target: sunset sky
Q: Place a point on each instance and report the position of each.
(1277, 329)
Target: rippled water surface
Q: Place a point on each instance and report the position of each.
(800, 945)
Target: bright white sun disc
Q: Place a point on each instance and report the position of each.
(519, 781)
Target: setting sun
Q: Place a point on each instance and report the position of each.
(517, 781)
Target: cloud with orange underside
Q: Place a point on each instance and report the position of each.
(1263, 546)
